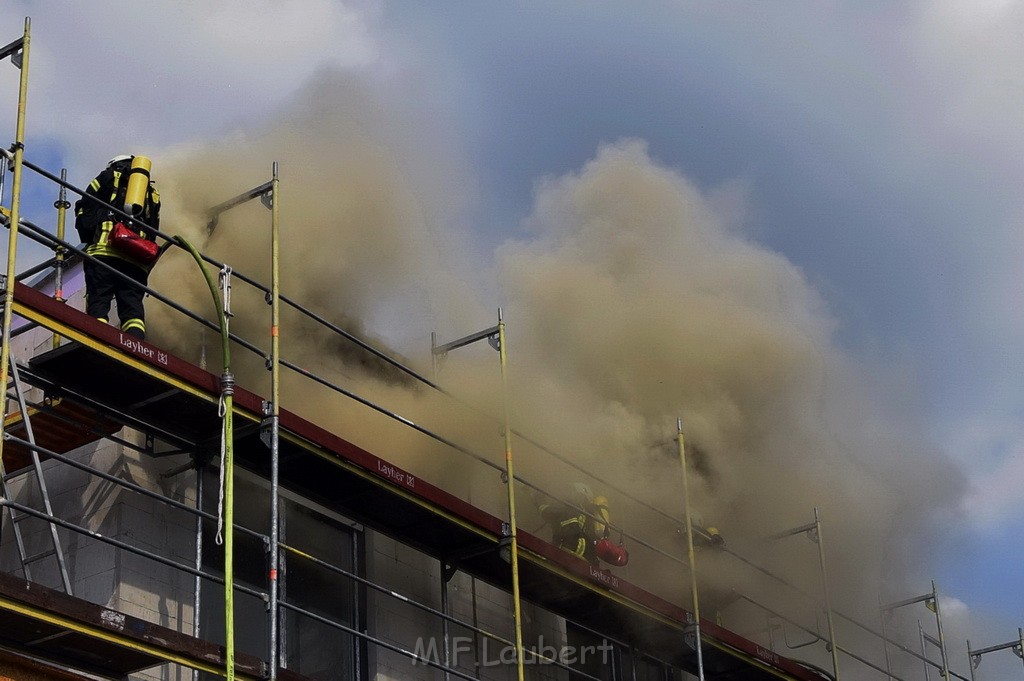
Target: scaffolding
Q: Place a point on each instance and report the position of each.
(182, 410)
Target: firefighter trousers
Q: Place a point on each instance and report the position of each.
(102, 286)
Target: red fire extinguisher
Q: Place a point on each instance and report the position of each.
(612, 553)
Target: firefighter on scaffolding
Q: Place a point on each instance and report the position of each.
(704, 535)
(577, 524)
(126, 246)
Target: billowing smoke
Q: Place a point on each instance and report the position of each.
(359, 222)
(631, 300)
(635, 303)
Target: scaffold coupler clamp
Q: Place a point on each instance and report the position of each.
(267, 424)
(9, 154)
(227, 383)
(225, 289)
(690, 637)
(505, 543)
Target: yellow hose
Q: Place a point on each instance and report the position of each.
(229, 473)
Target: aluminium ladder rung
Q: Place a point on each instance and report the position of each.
(55, 549)
(15, 474)
(36, 557)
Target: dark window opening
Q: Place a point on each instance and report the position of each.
(307, 645)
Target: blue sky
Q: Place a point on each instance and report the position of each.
(875, 146)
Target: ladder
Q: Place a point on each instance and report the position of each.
(54, 549)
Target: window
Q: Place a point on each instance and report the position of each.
(311, 596)
(593, 654)
(313, 647)
(614, 662)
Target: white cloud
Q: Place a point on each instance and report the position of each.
(960, 623)
(995, 495)
(112, 76)
(955, 613)
(969, 87)
(282, 29)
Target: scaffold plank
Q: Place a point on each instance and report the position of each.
(59, 426)
(94, 639)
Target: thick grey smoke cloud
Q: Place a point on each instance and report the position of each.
(635, 303)
(632, 299)
(360, 212)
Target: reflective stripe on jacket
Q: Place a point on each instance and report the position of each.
(95, 221)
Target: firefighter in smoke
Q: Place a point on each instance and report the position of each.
(704, 536)
(580, 526)
(127, 245)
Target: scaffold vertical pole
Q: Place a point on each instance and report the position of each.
(62, 205)
(942, 640)
(689, 551)
(275, 388)
(1019, 648)
(511, 484)
(885, 641)
(197, 592)
(12, 240)
(445, 628)
(433, 355)
(834, 649)
(229, 528)
(924, 651)
(1020, 643)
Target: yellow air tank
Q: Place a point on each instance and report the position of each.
(138, 182)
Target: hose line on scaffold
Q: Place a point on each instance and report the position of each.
(225, 408)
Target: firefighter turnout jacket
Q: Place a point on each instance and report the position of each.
(577, 530)
(94, 221)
